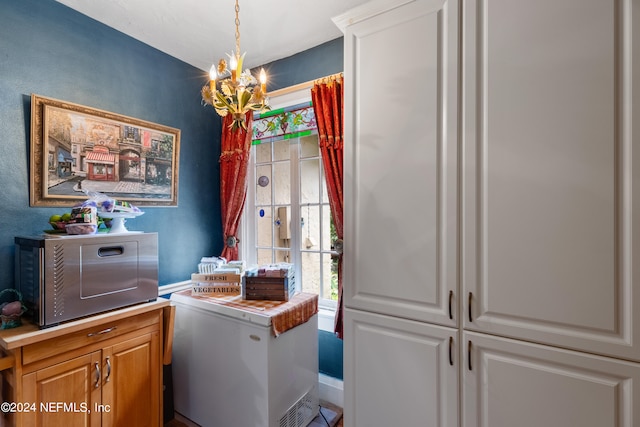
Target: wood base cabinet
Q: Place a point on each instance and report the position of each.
(71, 384)
(101, 371)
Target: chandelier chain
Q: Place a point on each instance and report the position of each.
(239, 91)
(237, 29)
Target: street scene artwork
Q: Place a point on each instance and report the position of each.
(76, 150)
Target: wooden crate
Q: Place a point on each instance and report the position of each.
(267, 288)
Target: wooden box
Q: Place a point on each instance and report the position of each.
(216, 284)
(268, 288)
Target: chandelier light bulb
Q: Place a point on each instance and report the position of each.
(263, 81)
(212, 78)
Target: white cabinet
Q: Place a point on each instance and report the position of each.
(400, 159)
(492, 190)
(399, 371)
(515, 383)
(401, 220)
(550, 191)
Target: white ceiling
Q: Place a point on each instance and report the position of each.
(200, 32)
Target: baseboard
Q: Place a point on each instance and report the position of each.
(331, 390)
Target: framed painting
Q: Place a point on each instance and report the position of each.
(77, 149)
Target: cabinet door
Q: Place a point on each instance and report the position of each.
(551, 167)
(131, 393)
(509, 383)
(399, 371)
(400, 174)
(65, 394)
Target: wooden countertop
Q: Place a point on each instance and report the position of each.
(29, 333)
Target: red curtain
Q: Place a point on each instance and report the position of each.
(327, 96)
(234, 161)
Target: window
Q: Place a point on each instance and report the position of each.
(287, 217)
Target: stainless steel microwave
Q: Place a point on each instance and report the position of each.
(67, 277)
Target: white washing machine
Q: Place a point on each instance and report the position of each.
(229, 370)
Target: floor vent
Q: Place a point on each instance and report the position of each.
(303, 411)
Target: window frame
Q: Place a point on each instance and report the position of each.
(280, 99)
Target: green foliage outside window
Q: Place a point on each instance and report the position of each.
(334, 263)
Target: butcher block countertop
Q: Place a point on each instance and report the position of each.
(29, 333)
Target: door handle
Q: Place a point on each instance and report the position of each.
(97, 384)
(469, 355)
(451, 305)
(106, 379)
(102, 332)
(469, 304)
(451, 351)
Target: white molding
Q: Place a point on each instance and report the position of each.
(366, 11)
(326, 319)
(294, 97)
(331, 390)
(174, 287)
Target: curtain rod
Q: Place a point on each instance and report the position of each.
(300, 86)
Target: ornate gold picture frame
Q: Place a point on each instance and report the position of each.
(77, 149)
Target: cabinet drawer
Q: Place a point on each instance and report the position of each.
(86, 337)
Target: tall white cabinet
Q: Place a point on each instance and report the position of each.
(491, 194)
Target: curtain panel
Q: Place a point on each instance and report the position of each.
(328, 99)
(234, 162)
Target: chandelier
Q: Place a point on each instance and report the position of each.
(230, 92)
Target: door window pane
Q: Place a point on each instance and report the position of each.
(263, 186)
(265, 256)
(328, 233)
(282, 183)
(280, 150)
(311, 272)
(310, 236)
(263, 153)
(264, 226)
(329, 277)
(282, 256)
(309, 181)
(309, 147)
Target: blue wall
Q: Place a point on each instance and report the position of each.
(53, 51)
(320, 61)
